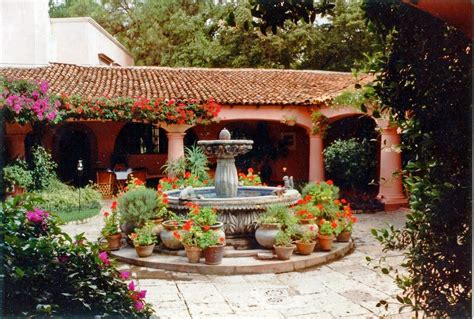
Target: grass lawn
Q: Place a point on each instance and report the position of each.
(78, 215)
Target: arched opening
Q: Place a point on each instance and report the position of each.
(74, 142)
(351, 156)
(278, 149)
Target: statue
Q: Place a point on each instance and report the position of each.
(288, 182)
(188, 194)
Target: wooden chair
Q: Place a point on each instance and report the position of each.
(106, 183)
(138, 174)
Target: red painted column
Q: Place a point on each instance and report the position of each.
(15, 135)
(390, 182)
(316, 160)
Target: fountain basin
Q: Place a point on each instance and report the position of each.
(239, 214)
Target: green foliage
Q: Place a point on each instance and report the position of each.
(194, 33)
(278, 214)
(196, 162)
(137, 206)
(61, 198)
(327, 227)
(143, 236)
(202, 216)
(424, 75)
(77, 215)
(307, 235)
(18, 174)
(192, 237)
(349, 163)
(49, 273)
(321, 192)
(111, 224)
(283, 238)
(42, 168)
(208, 239)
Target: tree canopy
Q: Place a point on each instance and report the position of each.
(206, 34)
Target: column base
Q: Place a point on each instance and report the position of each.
(393, 203)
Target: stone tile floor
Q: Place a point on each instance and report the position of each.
(345, 288)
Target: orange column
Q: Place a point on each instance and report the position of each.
(316, 161)
(390, 182)
(15, 146)
(175, 134)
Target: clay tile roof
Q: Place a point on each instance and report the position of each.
(226, 86)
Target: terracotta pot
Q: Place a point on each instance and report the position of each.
(265, 235)
(325, 242)
(218, 228)
(214, 254)
(114, 241)
(344, 237)
(284, 252)
(144, 251)
(167, 237)
(157, 227)
(305, 248)
(193, 254)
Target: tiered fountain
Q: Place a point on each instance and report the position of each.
(238, 207)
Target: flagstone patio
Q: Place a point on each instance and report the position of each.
(347, 287)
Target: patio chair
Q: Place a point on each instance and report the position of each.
(106, 183)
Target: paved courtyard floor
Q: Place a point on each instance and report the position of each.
(344, 288)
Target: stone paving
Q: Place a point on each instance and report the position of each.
(344, 288)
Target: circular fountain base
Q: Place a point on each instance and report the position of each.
(234, 262)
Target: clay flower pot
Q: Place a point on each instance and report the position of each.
(344, 237)
(193, 254)
(18, 190)
(167, 236)
(114, 241)
(218, 229)
(265, 235)
(284, 252)
(305, 248)
(214, 254)
(325, 242)
(144, 251)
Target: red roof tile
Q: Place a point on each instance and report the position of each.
(226, 86)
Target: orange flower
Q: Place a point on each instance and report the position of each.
(165, 200)
(138, 182)
(322, 221)
(187, 175)
(188, 224)
(329, 182)
(343, 201)
(133, 236)
(114, 205)
(300, 201)
(176, 235)
(221, 240)
(106, 214)
(319, 206)
(334, 224)
(337, 202)
(250, 170)
(206, 227)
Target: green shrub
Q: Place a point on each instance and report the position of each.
(322, 192)
(59, 197)
(137, 206)
(49, 273)
(42, 168)
(18, 174)
(278, 214)
(350, 163)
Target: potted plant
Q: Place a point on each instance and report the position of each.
(191, 241)
(212, 246)
(284, 246)
(306, 240)
(345, 224)
(18, 176)
(206, 218)
(143, 240)
(275, 218)
(162, 212)
(137, 205)
(327, 232)
(172, 231)
(111, 231)
(306, 212)
(289, 120)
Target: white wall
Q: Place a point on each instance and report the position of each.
(24, 32)
(80, 40)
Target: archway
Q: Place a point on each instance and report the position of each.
(74, 142)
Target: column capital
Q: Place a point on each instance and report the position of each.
(175, 128)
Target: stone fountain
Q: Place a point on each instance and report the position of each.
(238, 207)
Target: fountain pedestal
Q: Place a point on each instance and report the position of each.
(226, 178)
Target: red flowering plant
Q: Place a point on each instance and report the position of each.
(329, 227)
(162, 202)
(192, 234)
(346, 219)
(324, 195)
(28, 102)
(169, 183)
(305, 209)
(203, 217)
(250, 179)
(143, 236)
(111, 226)
(307, 235)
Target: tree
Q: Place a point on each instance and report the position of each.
(200, 33)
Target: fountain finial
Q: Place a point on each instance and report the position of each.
(224, 134)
